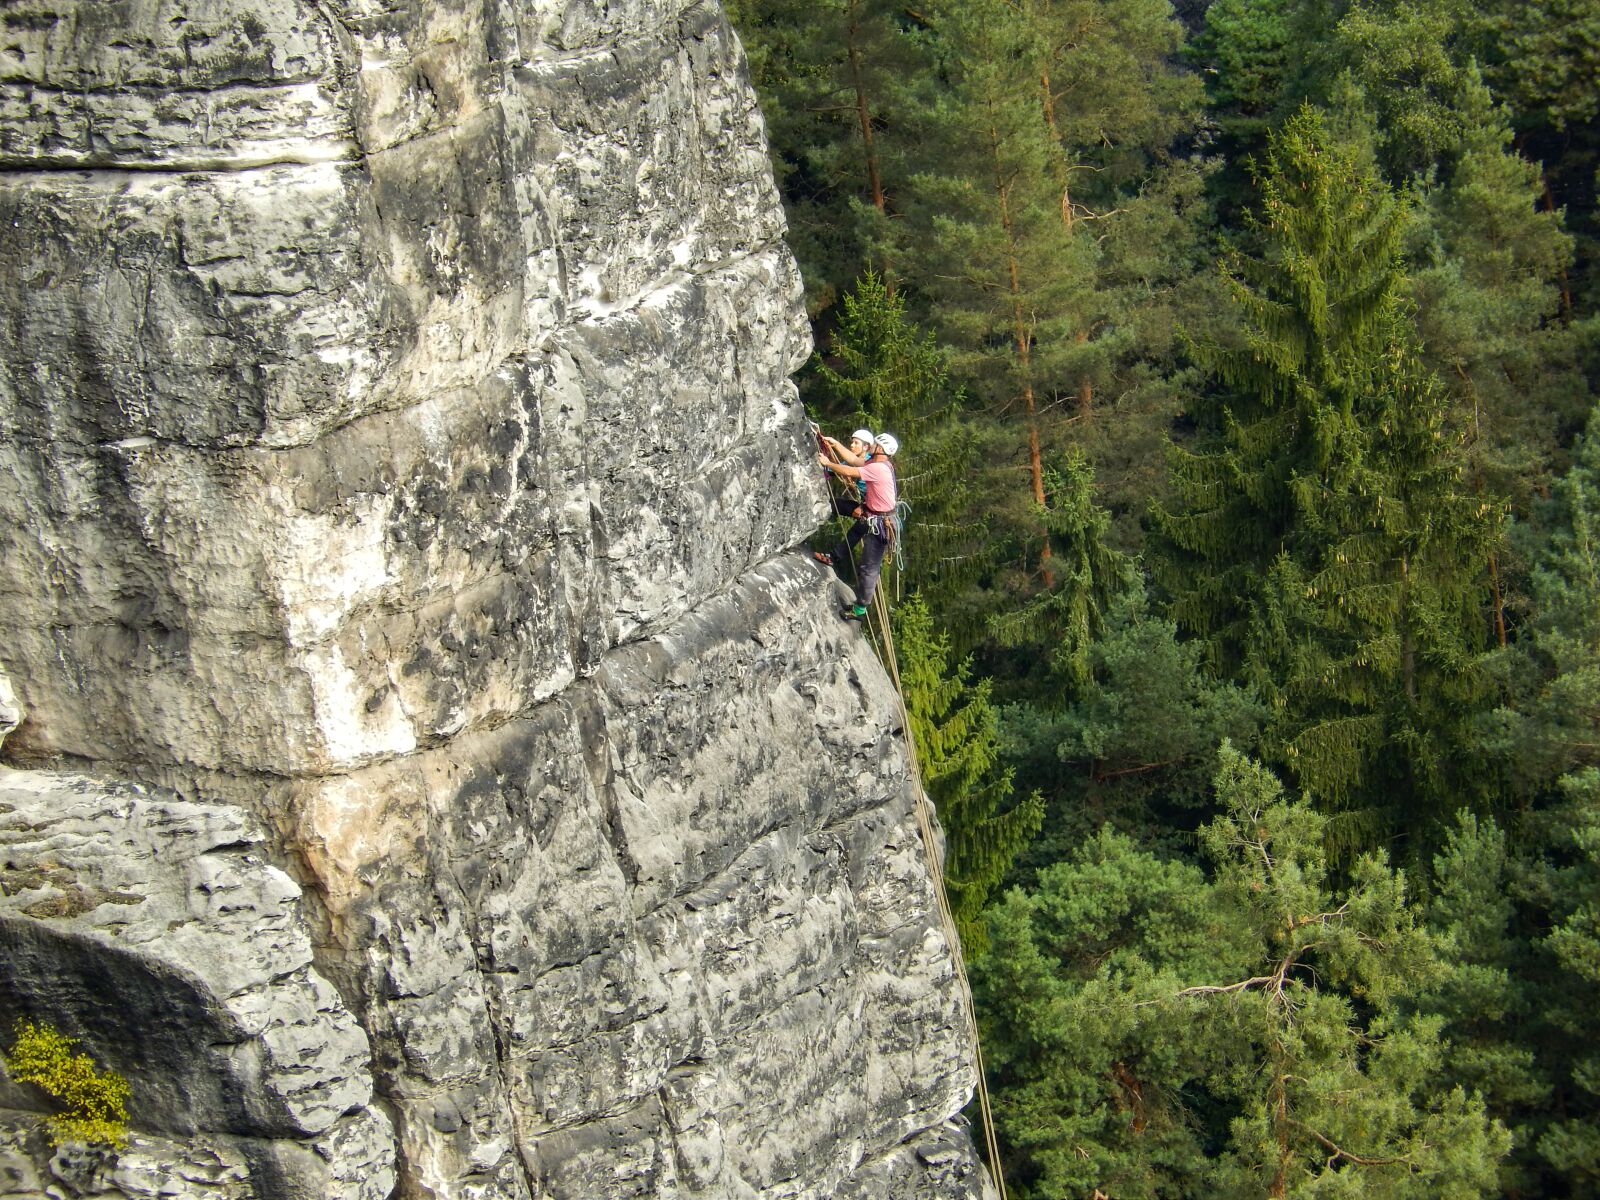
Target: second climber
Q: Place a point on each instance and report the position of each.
(852, 505)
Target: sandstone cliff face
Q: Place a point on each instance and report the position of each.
(404, 457)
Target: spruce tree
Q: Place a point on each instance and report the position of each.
(881, 371)
(954, 729)
(1323, 543)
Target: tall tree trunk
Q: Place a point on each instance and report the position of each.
(1047, 101)
(1022, 339)
(1566, 288)
(1408, 643)
(1499, 603)
(863, 112)
(1280, 1129)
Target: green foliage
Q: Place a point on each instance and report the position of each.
(1154, 275)
(1158, 1032)
(95, 1100)
(1566, 575)
(1548, 726)
(1404, 335)
(1113, 89)
(1323, 543)
(1519, 912)
(885, 373)
(1133, 744)
(1063, 619)
(954, 729)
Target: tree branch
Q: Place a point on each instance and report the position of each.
(1340, 1152)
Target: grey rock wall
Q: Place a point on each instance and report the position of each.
(397, 403)
(155, 931)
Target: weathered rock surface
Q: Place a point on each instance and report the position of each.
(10, 710)
(155, 931)
(404, 452)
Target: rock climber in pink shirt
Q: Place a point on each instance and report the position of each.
(878, 510)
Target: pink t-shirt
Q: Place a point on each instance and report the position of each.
(879, 478)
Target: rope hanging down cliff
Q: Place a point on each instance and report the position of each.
(879, 625)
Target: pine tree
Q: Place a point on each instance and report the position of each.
(1052, 133)
(833, 80)
(1154, 275)
(954, 729)
(1323, 543)
(1157, 1032)
(1004, 273)
(1113, 99)
(1328, 1096)
(1541, 56)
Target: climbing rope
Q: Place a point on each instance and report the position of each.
(923, 807)
(946, 917)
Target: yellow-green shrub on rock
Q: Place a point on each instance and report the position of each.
(96, 1100)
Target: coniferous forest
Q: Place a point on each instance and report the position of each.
(1243, 357)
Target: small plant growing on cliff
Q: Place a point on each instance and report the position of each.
(96, 1101)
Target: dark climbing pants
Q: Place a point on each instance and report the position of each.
(873, 548)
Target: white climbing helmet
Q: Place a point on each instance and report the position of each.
(888, 443)
(862, 435)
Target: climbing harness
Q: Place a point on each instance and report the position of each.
(892, 523)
